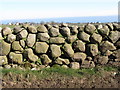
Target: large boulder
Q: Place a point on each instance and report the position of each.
(114, 36)
(41, 47)
(65, 31)
(6, 31)
(31, 39)
(92, 49)
(81, 28)
(88, 64)
(73, 30)
(28, 54)
(43, 36)
(4, 48)
(101, 59)
(79, 46)
(57, 40)
(62, 61)
(22, 35)
(16, 58)
(45, 59)
(3, 60)
(90, 28)
(74, 65)
(104, 31)
(106, 45)
(42, 29)
(79, 56)
(16, 46)
(17, 29)
(96, 38)
(32, 29)
(55, 50)
(84, 36)
(11, 38)
(54, 32)
(71, 38)
(68, 50)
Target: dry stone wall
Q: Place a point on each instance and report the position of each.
(83, 46)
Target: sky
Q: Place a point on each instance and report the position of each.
(32, 9)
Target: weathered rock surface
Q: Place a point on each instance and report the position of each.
(16, 58)
(55, 50)
(71, 38)
(68, 50)
(42, 29)
(54, 32)
(22, 35)
(73, 30)
(45, 59)
(31, 39)
(104, 31)
(57, 40)
(84, 36)
(43, 36)
(3, 60)
(92, 49)
(62, 61)
(65, 31)
(41, 47)
(90, 29)
(17, 29)
(6, 31)
(28, 53)
(4, 48)
(96, 38)
(74, 65)
(16, 46)
(114, 36)
(32, 29)
(87, 64)
(79, 46)
(79, 56)
(11, 38)
(22, 43)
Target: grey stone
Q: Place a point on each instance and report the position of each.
(6, 31)
(88, 64)
(84, 36)
(32, 29)
(65, 31)
(3, 60)
(42, 29)
(90, 28)
(57, 40)
(96, 38)
(43, 36)
(79, 46)
(110, 26)
(92, 49)
(11, 38)
(4, 48)
(104, 31)
(74, 30)
(22, 43)
(31, 39)
(22, 35)
(41, 47)
(106, 45)
(81, 28)
(55, 50)
(16, 46)
(79, 56)
(64, 66)
(45, 59)
(68, 50)
(71, 38)
(54, 32)
(101, 59)
(17, 29)
(114, 36)
(28, 54)
(62, 61)
(1, 38)
(116, 54)
(74, 65)
(16, 58)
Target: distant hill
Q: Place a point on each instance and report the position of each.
(101, 19)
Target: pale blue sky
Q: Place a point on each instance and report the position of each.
(30, 9)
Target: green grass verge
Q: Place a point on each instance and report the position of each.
(43, 73)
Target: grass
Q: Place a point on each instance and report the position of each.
(46, 72)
